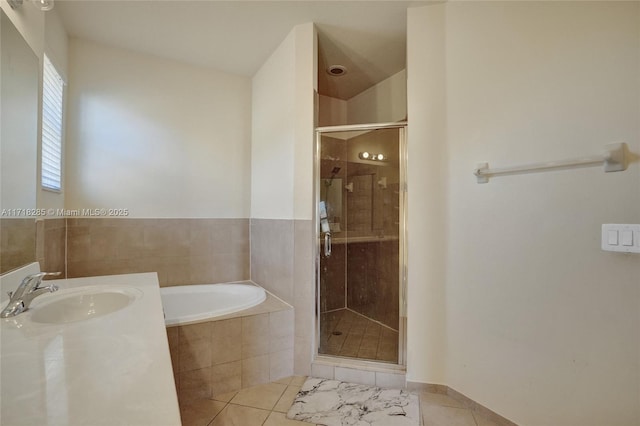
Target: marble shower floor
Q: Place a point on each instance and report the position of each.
(267, 405)
(344, 332)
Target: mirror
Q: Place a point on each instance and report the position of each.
(18, 147)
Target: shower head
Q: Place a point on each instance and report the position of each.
(334, 172)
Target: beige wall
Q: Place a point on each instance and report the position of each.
(382, 103)
(535, 321)
(331, 111)
(161, 138)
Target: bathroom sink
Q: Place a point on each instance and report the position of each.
(83, 303)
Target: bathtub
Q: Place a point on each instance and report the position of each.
(188, 303)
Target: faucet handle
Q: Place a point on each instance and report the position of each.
(40, 276)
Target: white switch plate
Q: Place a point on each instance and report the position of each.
(627, 241)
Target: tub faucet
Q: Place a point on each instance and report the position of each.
(28, 290)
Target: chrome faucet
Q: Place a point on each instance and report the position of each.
(28, 290)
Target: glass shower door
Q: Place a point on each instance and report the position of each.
(359, 278)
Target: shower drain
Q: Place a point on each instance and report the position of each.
(337, 333)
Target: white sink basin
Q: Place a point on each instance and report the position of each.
(83, 303)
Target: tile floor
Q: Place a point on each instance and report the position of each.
(346, 333)
(267, 405)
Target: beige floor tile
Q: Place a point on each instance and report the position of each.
(286, 400)
(200, 412)
(237, 415)
(298, 380)
(483, 421)
(261, 396)
(284, 380)
(435, 415)
(280, 419)
(439, 399)
(225, 397)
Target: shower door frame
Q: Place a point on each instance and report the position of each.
(402, 234)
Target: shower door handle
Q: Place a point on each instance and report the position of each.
(327, 244)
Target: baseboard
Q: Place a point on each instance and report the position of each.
(461, 398)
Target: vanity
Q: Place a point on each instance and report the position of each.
(95, 352)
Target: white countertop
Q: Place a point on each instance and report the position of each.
(111, 370)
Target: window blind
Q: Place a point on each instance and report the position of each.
(52, 92)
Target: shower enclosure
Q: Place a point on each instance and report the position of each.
(360, 194)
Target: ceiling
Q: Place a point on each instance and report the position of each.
(368, 37)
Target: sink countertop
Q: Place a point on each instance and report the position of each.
(110, 370)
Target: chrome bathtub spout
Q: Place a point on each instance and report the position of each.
(28, 290)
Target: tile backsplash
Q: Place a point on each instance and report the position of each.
(181, 251)
(17, 243)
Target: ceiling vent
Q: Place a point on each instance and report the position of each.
(336, 70)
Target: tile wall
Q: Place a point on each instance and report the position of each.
(282, 253)
(181, 251)
(373, 280)
(17, 243)
(276, 254)
(226, 355)
(27, 240)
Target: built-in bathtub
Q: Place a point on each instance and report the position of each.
(189, 303)
(225, 337)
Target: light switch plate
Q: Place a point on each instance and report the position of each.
(622, 238)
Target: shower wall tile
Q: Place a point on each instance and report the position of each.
(333, 279)
(181, 251)
(373, 280)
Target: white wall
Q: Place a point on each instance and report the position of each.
(540, 324)
(283, 130)
(427, 197)
(158, 137)
(385, 102)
